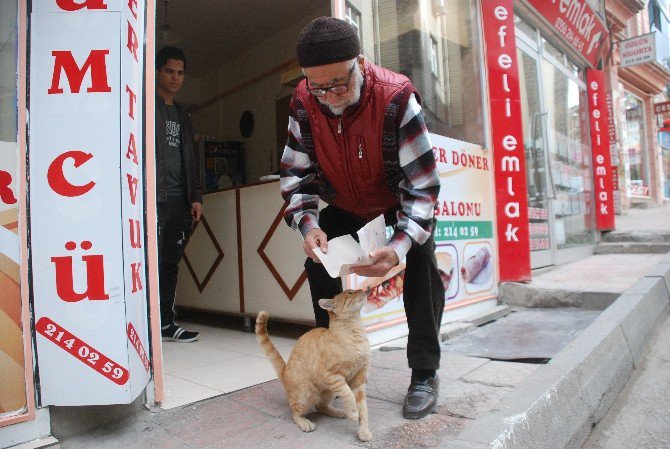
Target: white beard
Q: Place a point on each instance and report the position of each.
(357, 82)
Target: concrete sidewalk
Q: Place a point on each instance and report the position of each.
(482, 402)
(485, 401)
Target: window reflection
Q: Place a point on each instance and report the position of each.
(8, 36)
(435, 44)
(633, 144)
(568, 143)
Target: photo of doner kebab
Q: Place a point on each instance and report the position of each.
(474, 265)
(383, 289)
(446, 269)
(380, 290)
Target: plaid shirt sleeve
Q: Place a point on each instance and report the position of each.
(420, 185)
(299, 185)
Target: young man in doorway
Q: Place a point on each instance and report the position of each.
(358, 141)
(178, 188)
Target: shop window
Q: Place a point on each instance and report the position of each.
(434, 67)
(524, 27)
(353, 16)
(441, 54)
(569, 155)
(8, 32)
(634, 144)
(363, 15)
(553, 51)
(13, 397)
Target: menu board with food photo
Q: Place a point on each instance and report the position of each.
(464, 236)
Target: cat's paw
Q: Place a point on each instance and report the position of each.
(364, 435)
(305, 424)
(353, 415)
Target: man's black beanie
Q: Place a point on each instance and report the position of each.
(327, 40)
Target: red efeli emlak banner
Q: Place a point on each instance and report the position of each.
(579, 25)
(508, 144)
(603, 184)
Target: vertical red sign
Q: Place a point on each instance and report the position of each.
(508, 146)
(603, 185)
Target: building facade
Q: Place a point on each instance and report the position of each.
(540, 136)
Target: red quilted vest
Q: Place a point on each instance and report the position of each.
(349, 149)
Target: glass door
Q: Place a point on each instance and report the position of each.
(540, 184)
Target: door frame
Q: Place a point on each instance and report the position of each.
(545, 257)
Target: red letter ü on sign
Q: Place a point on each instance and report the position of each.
(65, 61)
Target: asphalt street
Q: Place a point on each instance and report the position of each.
(640, 417)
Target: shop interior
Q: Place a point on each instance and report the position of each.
(241, 70)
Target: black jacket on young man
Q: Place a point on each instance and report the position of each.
(190, 157)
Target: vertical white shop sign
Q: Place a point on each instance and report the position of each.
(81, 253)
(132, 193)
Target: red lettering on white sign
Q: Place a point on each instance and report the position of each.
(82, 351)
(135, 241)
(64, 62)
(132, 98)
(132, 187)
(132, 149)
(137, 344)
(6, 194)
(71, 5)
(95, 275)
(56, 177)
(137, 280)
(132, 6)
(133, 44)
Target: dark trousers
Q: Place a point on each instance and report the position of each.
(423, 292)
(174, 225)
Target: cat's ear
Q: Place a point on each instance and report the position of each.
(327, 304)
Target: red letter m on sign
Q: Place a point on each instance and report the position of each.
(95, 62)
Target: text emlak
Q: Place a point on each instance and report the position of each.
(345, 252)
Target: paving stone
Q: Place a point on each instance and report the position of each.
(456, 366)
(469, 400)
(501, 374)
(268, 398)
(205, 424)
(283, 434)
(490, 315)
(382, 415)
(390, 359)
(431, 431)
(388, 384)
(453, 330)
(128, 434)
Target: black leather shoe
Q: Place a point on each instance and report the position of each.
(421, 398)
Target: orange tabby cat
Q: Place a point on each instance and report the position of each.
(325, 363)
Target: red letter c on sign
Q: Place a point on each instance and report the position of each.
(71, 5)
(57, 180)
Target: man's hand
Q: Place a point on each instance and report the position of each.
(315, 237)
(196, 211)
(383, 260)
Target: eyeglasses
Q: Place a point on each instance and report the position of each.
(336, 89)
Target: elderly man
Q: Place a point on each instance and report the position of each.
(357, 140)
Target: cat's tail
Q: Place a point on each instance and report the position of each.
(264, 340)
